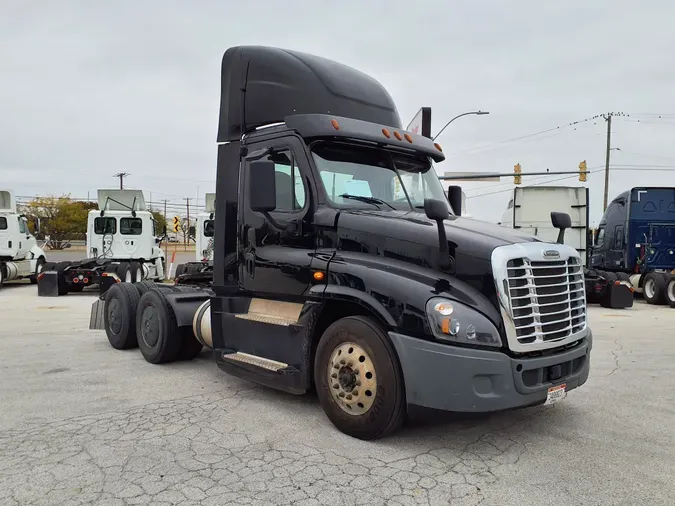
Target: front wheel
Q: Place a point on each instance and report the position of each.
(654, 289)
(358, 379)
(39, 267)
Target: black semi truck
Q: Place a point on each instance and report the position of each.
(341, 265)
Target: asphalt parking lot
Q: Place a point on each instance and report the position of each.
(82, 423)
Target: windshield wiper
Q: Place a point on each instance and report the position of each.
(368, 200)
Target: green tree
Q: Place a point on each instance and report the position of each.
(160, 220)
(61, 218)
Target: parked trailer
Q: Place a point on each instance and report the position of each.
(122, 243)
(635, 242)
(326, 277)
(530, 208)
(20, 256)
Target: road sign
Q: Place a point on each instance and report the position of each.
(176, 223)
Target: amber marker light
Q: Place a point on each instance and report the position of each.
(386, 133)
(318, 276)
(335, 124)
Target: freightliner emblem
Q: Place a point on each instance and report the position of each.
(551, 253)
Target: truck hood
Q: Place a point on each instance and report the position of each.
(467, 237)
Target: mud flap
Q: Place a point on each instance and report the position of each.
(51, 284)
(96, 317)
(617, 296)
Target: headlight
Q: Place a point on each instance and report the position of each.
(457, 323)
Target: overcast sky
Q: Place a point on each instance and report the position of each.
(88, 89)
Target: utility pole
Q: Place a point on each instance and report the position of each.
(186, 233)
(608, 119)
(166, 236)
(121, 176)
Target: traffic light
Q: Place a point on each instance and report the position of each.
(516, 176)
(583, 171)
(176, 223)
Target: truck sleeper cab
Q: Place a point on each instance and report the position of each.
(636, 240)
(339, 262)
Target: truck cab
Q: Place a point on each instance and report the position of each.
(636, 237)
(340, 262)
(20, 255)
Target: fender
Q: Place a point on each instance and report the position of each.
(185, 305)
(398, 291)
(37, 252)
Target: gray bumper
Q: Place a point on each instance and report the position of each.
(449, 378)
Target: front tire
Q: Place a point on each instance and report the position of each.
(358, 379)
(39, 267)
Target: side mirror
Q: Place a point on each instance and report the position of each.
(36, 225)
(262, 189)
(436, 210)
(562, 222)
(455, 199)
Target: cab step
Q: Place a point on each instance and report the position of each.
(263, 363)
(272, 312)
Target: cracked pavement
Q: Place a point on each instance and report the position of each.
(82, 423)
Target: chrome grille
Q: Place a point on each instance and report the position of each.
(542, 299)
(547, 298)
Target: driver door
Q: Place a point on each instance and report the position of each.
(275, 258)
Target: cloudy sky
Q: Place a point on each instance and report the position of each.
(88, 89)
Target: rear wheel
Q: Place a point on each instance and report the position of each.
(124, 273)
(136, 272)
(158, 335)
(119, 316)
(670, 291)
(609, 276)
(654, 289)
(180, 270)
(358, 379)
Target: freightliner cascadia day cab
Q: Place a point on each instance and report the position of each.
(122, 242)
(636, 240)
(340, 265)
(20, 256)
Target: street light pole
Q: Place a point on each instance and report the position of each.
(477, 113)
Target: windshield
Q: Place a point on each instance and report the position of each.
(363, 177)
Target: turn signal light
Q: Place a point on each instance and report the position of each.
(438, 146)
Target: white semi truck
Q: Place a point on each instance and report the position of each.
(20, 256)
(529, 210)
(204, 232)
(122, 241)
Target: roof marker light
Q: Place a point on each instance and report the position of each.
(335, 124)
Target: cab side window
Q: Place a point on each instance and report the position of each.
(22, 226)
(3, 223)
(600, 239)
(290, 188)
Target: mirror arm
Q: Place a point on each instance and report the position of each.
(274, 222)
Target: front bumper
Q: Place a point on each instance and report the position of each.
(444, 377)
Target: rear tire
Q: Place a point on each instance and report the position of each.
(190, 347)
(654, 288)
(180, 270)
(158, 335)
(119, 316)
(136, 272)
(367, 404)
(611, 277)
(670, 291)
(124, 273)
(144, 286)
(622, 276)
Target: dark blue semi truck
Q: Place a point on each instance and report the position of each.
(635, 242)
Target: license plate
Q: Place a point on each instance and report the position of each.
(556, 394)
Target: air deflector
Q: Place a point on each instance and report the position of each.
(279, 83)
